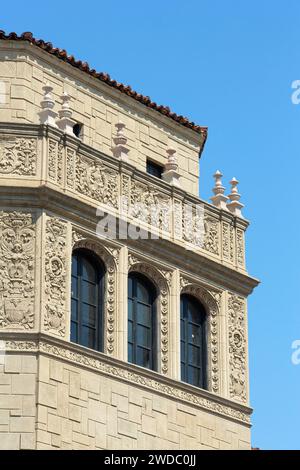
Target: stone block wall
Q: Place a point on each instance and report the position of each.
(18, 379)
(59, 405)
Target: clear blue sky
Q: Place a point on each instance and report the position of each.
(228, 65)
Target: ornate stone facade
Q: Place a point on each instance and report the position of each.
(57, 394)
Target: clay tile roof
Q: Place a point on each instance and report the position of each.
(104, 77)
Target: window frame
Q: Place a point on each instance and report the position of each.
(186, 362)
(84, 254)
(135, 277)
(150, 164)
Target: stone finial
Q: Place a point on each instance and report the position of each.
(120, 150)
(65, 121)
(47, 115)
(219, 199)
(235, 205)
(171, 175)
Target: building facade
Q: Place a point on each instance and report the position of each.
(123, 296)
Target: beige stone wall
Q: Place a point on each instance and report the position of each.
(24, 70)
(60, 405)
(82, 409)
(18, 379)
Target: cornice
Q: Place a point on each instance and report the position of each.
(43, 344)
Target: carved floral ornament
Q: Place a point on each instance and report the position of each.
(56, 276)
(110, 258)
(18, 155)
(162, 281)
(17, 253)
(212, 302)
(94, 179)
(237, 348)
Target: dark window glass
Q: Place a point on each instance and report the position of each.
(87, 300)
(154, 169)
(77, 129)
(193, 341)
(141, 322)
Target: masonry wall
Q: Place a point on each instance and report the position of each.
(81, 409)
(18, 378)
(98, 107)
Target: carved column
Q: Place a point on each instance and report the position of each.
(174, 333)
(237, 348)
(55, 277)
(122, 315)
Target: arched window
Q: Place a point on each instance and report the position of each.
(193, 341)
(87, 297)
(141, 322)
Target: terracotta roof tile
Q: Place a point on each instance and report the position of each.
(104, 77)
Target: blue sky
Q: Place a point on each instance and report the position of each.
(228, 65)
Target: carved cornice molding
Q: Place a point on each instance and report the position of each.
(129, 373)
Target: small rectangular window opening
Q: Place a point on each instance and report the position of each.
(154, 169)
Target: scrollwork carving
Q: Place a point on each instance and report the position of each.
(240, 248)
(18, 156)
(55, 276)
(150, 206)
(237, 348)
(17, 252)
(211, 235)
(55, 161)
(97, 181)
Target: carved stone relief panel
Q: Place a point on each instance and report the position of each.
(55, 161)
(56, 259)
(237, 347)
(211, 234)
(18, 155)
(97, 181)
(110, 258)
(150, 206)
(240, 248)
(193, 225)
(211, 301)
(228, 242)
(162, 281)
(70, 169)
(17, 261)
